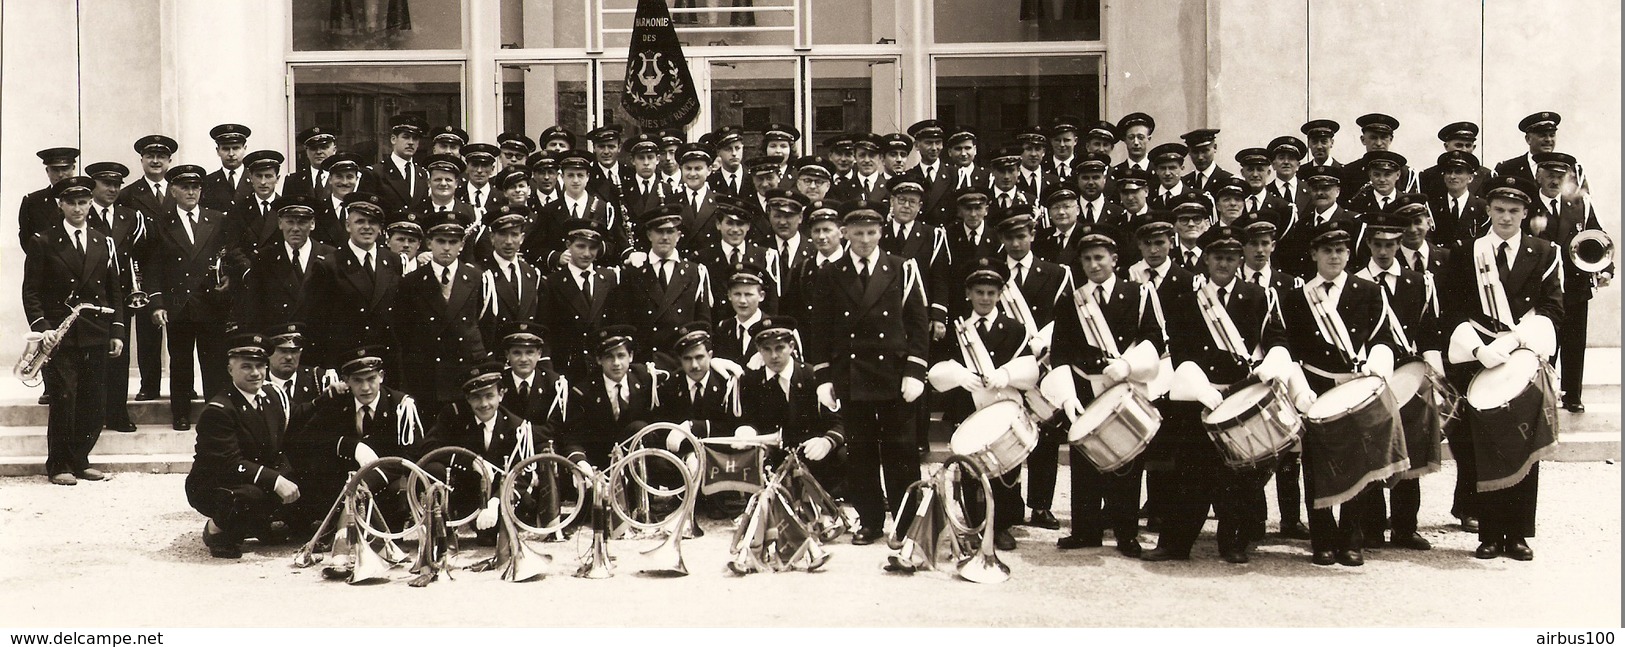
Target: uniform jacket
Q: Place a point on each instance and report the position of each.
(571, 319)
(509, 301)
(1414, 305)
(394, 190)
(798, 417)
(183, 270)
(273, 290)
(1129, 315)
(711, 415)
(1189, 340)
(356, 308)
(866, 339)
(1360, 306)
(55, 273)
(658, 310)
(1453, 230)
(591, 426)
(439, 337)
(327, 443)
(238, 444)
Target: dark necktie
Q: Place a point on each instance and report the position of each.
(366, 261)
(1501, 264)
(662, 273)
(191, 219)
(97, 220)
(1454, 210)
(1021, 274)
(298, 268)
(1416, 261)
(694, 198)
(733, 257)
(1190, 258)
(863, 272)
(1152, 277)
(1382, 204)
(1004, 202)
(981, 326)
(411, 179)
(366, 418)
(511, 278)
(575, 211)
(259, 401)
(79, 241)
(586, 286)
(1224, 297)
(1258, 277)
(445, 283)
(620, 404)
(1382, 279)
(1100, 294)
(265, 208)
(1327, 286)
(1089, 213)
(231, 179)
(733, 185)
(1252, 203)
(524, 390)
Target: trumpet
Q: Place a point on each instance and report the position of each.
(37, 348)
(138, 299)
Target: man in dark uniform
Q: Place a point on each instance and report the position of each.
(1255, 172)
(608, 175)
(790, 246)
(813, 174)
(1033, 178)
(1377, 135)
(1321, 134)
(223, 188)
(665, 292)
(1133, 191)
(443, 173)
(962, 170)
(1203, 146)
(448, 140)
(529, 391)
(126, 229)
(355, 286)
(1328, 358)
(870, 304)
(1193, 214)
(868, 177)
(1207, 364)
(1094, 207)
(344, 175)
(1540, 133)
(1058, 243)
(478, 422)
(477, 190)
(1325, 187)
(578, 299)
(299, 385)
(842, 157)
(1461, 137)
(194, 282)
(39, 210)
(931, 170)
(240, 477)
(319, 143)
(970, 237)
(906, 236)
(1063, 146)
(275, 289)
(397, 179)
(254, 214)
(730, 177)
(697, 196)
(1136, 129)
(72, 260)
(1384, 170)
(780, 398)
(1286, 156)
(1258, 268)
(556, 139)
(437, 312)
(513, 149)
(1458, 207)
(1004, 170)
(1167, 161)
(148, 196)
(577, 201)
(1559, 217)
(1527, 271)
(824, 234)
(610, 405)
(544, 180)
(698, 393)
(513, 286)
(966, 386)
(644, 190)
(746, 286)
(730, 246)
(1103, 500)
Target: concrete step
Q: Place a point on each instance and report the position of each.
(112, 463)
(30, 413)
(146, 439)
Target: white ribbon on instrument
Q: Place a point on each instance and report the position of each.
(979, 361)
(1014, 304)
(1096, 330)
(488, 292)
(1331, 325)
(1219, 324)
(1492, 297)
(561, 399)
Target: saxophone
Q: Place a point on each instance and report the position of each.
(38, 351)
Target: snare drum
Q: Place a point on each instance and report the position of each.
(1416, 391)
(1115, 428)
(1253, 425)
(1512, 413)
(1353, 438)
(997, 438)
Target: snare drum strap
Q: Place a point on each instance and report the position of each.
(1492, 296)
(1219, 324)
(1330, 323)
(1096, 329)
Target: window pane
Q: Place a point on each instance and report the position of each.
(377, 24)
(1014, 21)
(720, 22)
(751, 95)
(536, 96)
(853, 96)
(998, 95)
(613, 76)
(544, 23)
(358, 100)
(848, 22)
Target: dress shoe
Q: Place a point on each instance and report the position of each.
(1234, 554)
(1488, 550)
(1519, 550)
(124, 427)
(1044, 519)
(64, 479)
(1003, 540)
(1153, 524)
(144, 396)
(1575, 407)
(1160, 554)
(221, 544)
(181, 424)
(1130, 547)
(45, 398)
(1352, 557)
(1469, 524)
(1323, 558)
(1294, 530)
(90, 474)
(1073, 542)
(865, 536)
(1412, 541)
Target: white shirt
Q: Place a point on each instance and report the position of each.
(1265, 275)
(400, 165)
(873, 259)
(1411, 254)
(83, 232)
(1025, 265)
(1110, 284)
(1099, 204)
(448, 271)
(976, 319)
(576, 207)
(191, 234)
(1141, 164)
(747, 322)
(1374, 273)
(1012, 195)
(783, 377)
(253, 398)
(1323, 217)
(285, 386)
(361, 254)
(699, 385)
(872, 181)
(1336, 294)
(1490, 242)
(929, 172)
(1177, 189)
(821, 260)
(577, 271)
(1288, 188)
(696, 195)
(476, 195)
(299, 255)
(1229, 288)
(974, 234)
(728, 251)
(609, 389)
(1144, 272)
(789, 247)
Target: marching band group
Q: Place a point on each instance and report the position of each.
(1189, 335)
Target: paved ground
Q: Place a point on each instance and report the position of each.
(127, 553)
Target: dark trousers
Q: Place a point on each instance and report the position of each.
(1198, 481)
(116, 384)
(1043, 467)
(1007, 506)
(1105, 500)
(209, 340)
(239, 510)
(149, 349)
(880, 450)
(1406, 501)
(1344, 528)
(1503, 515)
(1571, 346)
(74, 378)
(1288, 493)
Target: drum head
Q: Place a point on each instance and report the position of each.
(1237, 404)
(1494, 387)
(1100, 409)
(980, 429)
(1345, 396)
(1407, 381)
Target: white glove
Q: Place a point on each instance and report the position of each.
(998, 379)
(1210, 398)
(817, 448)
(424, 258)
(970, 382)
(1073, 409)
(636, 259)
(585, 467)
(826, 397)
(744, 431)
(364, 454)
(1380, 362)
(286, 490)
(674, 440)
(1116, 370)
(1434, 359)
(1490, 356)
(912, 388)
(727, 367)
(1277, 365)
(488, 516)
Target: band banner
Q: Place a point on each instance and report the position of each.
(659, 90)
